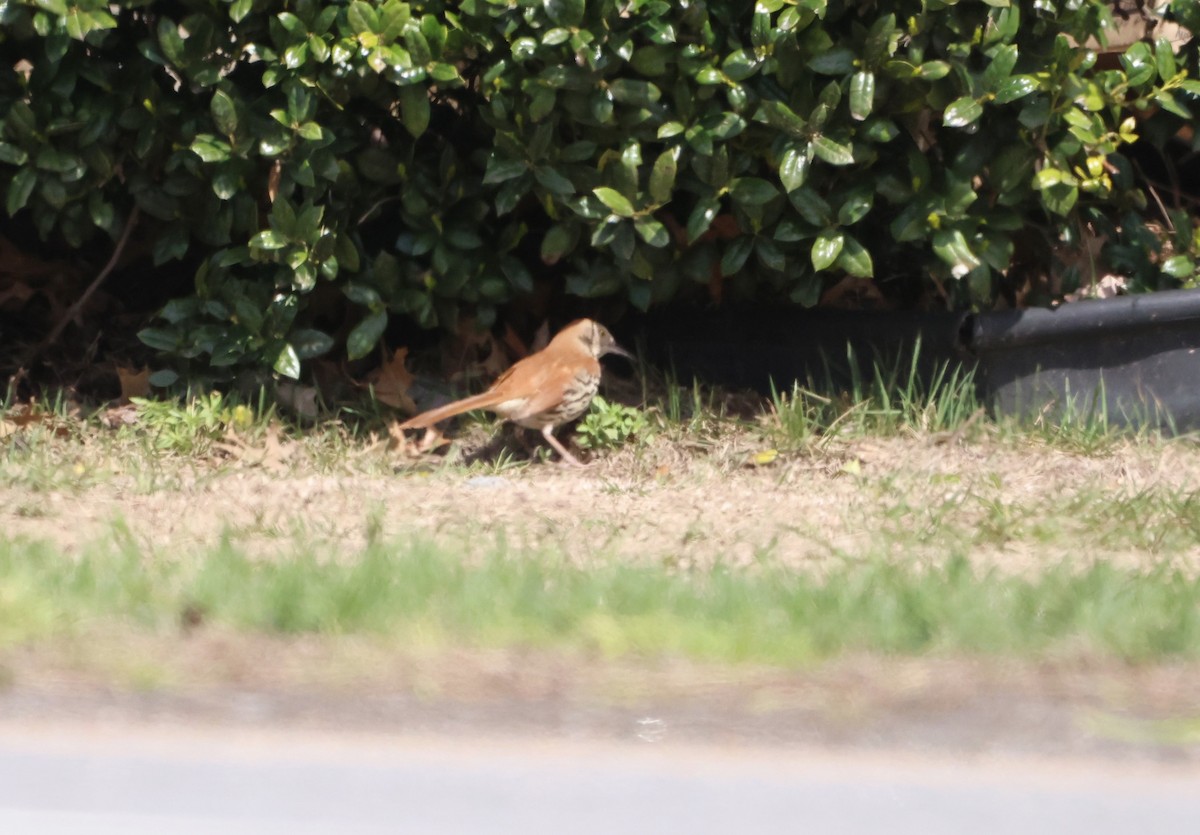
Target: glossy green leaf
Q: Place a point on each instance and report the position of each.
(826, 248)
(268, 239)
(169, 40)
(163, 378)
(1179, 266)
(1016, 87)
(500, 169)
(414, 109)
(855, 259)
(793, 168)
(832, 152)
(210, 149)
(740, 65)
(1139, 64)
(557, 242)
(951, 246)
(553, 180)
(239, 9)
(365, 295)
(1004, 59)
(224, 113)
(1164, 59)
(736, 253)
(702, 217)
(309, 343)
(160, 339)
(652, 231)
(618, 203)
(856, 204)
(287, 363)
(662, 176)
(366, 334)
(779, 115)
(862, 94)
(652, 60)
(934, 70)
(962, 112)
(811, 206)
(633, 91)
(19, 189)
(770, 255)
(565, 12)
(1060, 198)
(836, 61)
(362, 18)
(752, 191)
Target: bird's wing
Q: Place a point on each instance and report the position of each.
(533, 387)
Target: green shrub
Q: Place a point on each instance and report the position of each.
(422, 158)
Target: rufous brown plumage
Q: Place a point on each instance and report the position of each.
(545, 389)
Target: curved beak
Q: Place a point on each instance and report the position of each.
(614, 348)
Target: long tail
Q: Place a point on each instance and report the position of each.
(426, 419)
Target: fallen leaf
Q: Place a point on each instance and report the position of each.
(516, 346)
(134, 383)
(25, 415)
(400, 442)
(474, 353)
(118, 416)
(272, 453)
(391, 382)
(853, 293)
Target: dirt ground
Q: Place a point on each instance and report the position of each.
(1012, 504)
(905, 498)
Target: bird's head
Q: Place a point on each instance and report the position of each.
(594, 337)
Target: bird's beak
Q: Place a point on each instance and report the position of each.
(621, 352)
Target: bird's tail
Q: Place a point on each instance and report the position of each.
(427, 419)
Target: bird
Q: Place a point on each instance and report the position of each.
(545, 389)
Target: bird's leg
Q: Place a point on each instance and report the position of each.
(568, 458)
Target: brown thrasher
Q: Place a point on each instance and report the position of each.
(544, 390)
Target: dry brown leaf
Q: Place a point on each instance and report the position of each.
(391, 382)
(273, 180)
(118, 416)
(473, 354)
(272, 454)
(134, 383)
(516, 346)
(400, 442)
(854, 294)
(25, 415)
(1107, 287)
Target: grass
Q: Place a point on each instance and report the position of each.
(898, 571)
(896, 397)
(417, 593)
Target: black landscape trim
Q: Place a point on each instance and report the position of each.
(1134, 358)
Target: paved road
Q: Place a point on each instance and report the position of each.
(55, 781)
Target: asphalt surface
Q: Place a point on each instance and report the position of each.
(59, 780)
